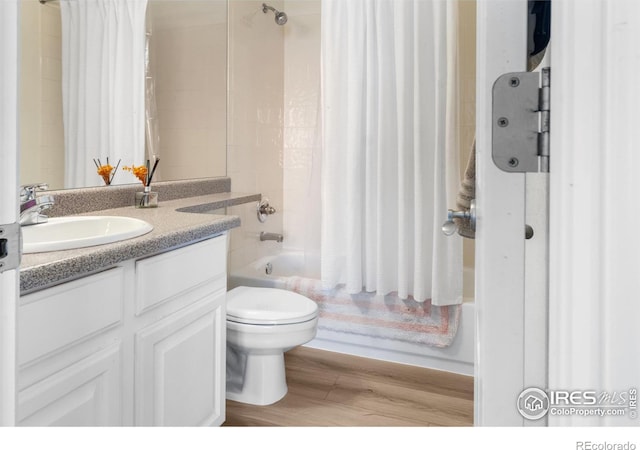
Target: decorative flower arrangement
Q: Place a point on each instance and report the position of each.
(106, 171)
(146, 199)
(142, 172)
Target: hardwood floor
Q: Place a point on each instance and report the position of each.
(333, 389)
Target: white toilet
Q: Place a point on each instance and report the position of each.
(262, 324)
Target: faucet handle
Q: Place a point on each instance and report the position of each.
(264, 210)
(28, 191)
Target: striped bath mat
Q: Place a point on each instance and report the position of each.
(385, 317)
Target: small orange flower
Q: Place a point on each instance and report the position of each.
(105, 172)
(139, 171)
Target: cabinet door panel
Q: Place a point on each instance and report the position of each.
(87, 393)
(180, 367)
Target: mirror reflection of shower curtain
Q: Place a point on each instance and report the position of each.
(152, 130)
(103, 87)
(390, 155)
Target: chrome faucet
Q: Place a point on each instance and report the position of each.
(31, 206)
(271, 237)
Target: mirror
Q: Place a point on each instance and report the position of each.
(188, 66)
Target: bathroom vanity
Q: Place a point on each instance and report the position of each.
(131, 333)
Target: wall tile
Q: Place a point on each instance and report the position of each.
(255, 134)
(296, 8)
(299, 116)
(301, 103)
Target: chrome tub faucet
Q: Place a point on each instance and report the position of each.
(271, 237)
(32, 206)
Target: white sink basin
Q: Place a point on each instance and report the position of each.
(65, 233)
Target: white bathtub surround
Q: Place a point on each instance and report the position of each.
(390, 167)
(103, 89)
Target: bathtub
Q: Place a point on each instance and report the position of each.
(288, 269)
(282, 266)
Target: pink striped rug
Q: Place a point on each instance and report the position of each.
(385, 317)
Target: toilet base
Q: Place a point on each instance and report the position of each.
(263, 381)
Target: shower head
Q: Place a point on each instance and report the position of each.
(281, 18)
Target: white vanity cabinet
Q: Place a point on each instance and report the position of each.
(142, 343)
(70, 359)
(180, 359)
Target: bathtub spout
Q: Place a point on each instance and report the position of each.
(271, 237)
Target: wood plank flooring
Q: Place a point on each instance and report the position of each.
(333, 389)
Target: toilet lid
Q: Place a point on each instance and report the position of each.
(268, 306)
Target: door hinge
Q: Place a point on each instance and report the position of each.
(520, 114)
(10, 246)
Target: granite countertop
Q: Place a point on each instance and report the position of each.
(195, 221)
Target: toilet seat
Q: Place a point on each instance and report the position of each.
(268, 306)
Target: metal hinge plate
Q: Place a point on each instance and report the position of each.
(520, 117)
(10, 246)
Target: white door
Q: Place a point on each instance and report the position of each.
(594, 283)
(510, 307)
(9, 289)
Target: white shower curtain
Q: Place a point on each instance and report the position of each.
(389, 161)
(103, 88)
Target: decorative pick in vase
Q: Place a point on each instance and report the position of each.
(147, 198)
(106, 171)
